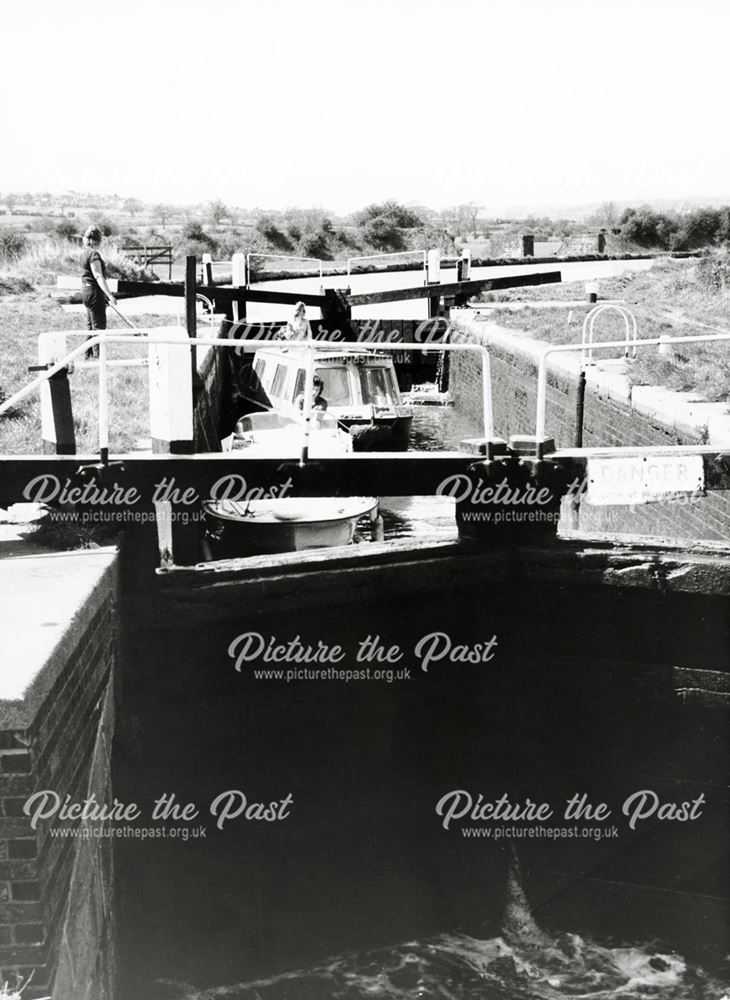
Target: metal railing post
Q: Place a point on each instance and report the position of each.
(103, 402)
(540, 416)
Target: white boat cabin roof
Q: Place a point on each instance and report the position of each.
(333, 354)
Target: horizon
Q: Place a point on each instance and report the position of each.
(516, 213)
(411, 103)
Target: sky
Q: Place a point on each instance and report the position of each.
(276, 103)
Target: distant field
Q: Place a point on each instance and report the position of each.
(20, 221)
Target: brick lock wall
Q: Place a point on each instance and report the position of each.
(514, 391)
(606, 422)
(210, 399)
(66, 748)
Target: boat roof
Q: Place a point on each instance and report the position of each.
(334, 352)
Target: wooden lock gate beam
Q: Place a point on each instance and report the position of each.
(227, 294)
(460, 289)
(220, 293)
(365, 473)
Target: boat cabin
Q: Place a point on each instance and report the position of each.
(358, 388)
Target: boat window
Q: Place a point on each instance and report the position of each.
(376, 386)
(298, 386)
(279, 378)
(259, 366)
(335, 385)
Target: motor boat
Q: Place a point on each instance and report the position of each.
(286, 524)
(359, 386)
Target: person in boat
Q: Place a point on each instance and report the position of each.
(297, 328)
(95, 292)
(318, 401)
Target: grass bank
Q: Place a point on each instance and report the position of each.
(39, 262)
(668, 300)
(22, 317)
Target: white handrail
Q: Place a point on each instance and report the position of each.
(707, 338)
(245, 345)
(630, 324)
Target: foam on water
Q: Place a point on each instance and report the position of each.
(458, 967)
(523, 963)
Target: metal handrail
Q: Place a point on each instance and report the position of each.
(632, 333)
(603, 345)
(379, 256)
(103, 340)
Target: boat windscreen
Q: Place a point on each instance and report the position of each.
(376, 386)
(335, 385)
(270, 420)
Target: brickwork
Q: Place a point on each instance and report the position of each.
(607, 421)
(211, 398)
(525, 245)
(55, 893)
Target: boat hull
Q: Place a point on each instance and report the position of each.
(379, 435)
(287, 525)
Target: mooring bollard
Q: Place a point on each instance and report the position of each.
(207, 269)
(238, 280)
(665, 349)
(592, 292)
(433, 277)
(463, 265)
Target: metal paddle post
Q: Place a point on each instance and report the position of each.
(103, 403)
(104, 388)
(308, 397)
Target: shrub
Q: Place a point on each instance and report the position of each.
(195, 241)
(196, 248)
(713, 273)
(65, 229)
(274, 235)
(648, 228)
(13, 245)
(315, 244)
(398, 215)
(107, 227)
(383, 234)
(194, 231)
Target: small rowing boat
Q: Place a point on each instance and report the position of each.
(285, 524)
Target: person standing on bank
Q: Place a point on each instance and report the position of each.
(95, 292)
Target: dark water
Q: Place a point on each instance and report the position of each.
(434, 428)
(441, 428)
(362, 870)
